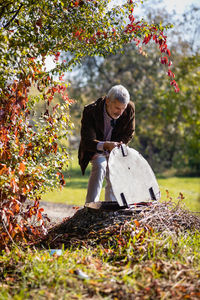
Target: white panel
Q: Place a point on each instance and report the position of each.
(132, 176)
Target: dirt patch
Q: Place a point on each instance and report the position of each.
(57, 212)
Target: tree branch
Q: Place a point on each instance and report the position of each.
(17, 12)
(100, 69)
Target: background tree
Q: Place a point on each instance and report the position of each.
(167, 127)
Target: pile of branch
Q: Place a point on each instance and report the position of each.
(161, 217)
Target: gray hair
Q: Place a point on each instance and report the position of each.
(120, 93)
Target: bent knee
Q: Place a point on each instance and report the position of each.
(99, 164)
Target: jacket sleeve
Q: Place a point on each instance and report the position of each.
(130, 131)
(88, 131)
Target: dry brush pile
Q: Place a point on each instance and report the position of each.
(162, 217)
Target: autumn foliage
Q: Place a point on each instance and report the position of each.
(30, 161)
(152, 32)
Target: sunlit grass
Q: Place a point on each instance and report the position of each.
(188, 186)
(104, 272)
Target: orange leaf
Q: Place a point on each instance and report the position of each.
(10, 212)
(39, 216)
(13, 185)
(3, 170)
(21, 151)
(16, 208)
(136, 223)
(29, 146)
(21, 168)
(11, 279)
(18, 228)
(10, 227)
(75, 207)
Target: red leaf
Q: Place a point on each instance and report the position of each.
(164, 60)
(147, 39)
(169, 73)
(168, 52)
(39, 216)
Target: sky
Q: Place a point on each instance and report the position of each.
(179, 6)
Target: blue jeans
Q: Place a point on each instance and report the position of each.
(99, 171)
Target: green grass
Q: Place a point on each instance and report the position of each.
(74, 193)
(188, 186)
(149, 266)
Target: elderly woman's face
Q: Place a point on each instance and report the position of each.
(115, 108)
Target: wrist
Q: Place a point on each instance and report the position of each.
(104, 146)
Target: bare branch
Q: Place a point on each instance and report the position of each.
(100, 69)
(17, 12)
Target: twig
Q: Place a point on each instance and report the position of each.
(10, 235)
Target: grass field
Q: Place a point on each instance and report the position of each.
(74, 192)
(143, 267)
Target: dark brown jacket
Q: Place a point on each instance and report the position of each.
(92, 129)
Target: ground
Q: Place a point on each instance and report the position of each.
(57, 211)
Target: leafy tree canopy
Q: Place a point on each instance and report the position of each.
(32, 29)
(167, 124)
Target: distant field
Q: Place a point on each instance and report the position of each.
(76, 186)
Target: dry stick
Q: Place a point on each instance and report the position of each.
(148, 217)
(161, 212)
(10, 236)
(56, 237)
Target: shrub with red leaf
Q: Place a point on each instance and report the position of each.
(30, 162)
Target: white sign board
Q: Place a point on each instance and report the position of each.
(131, 177)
